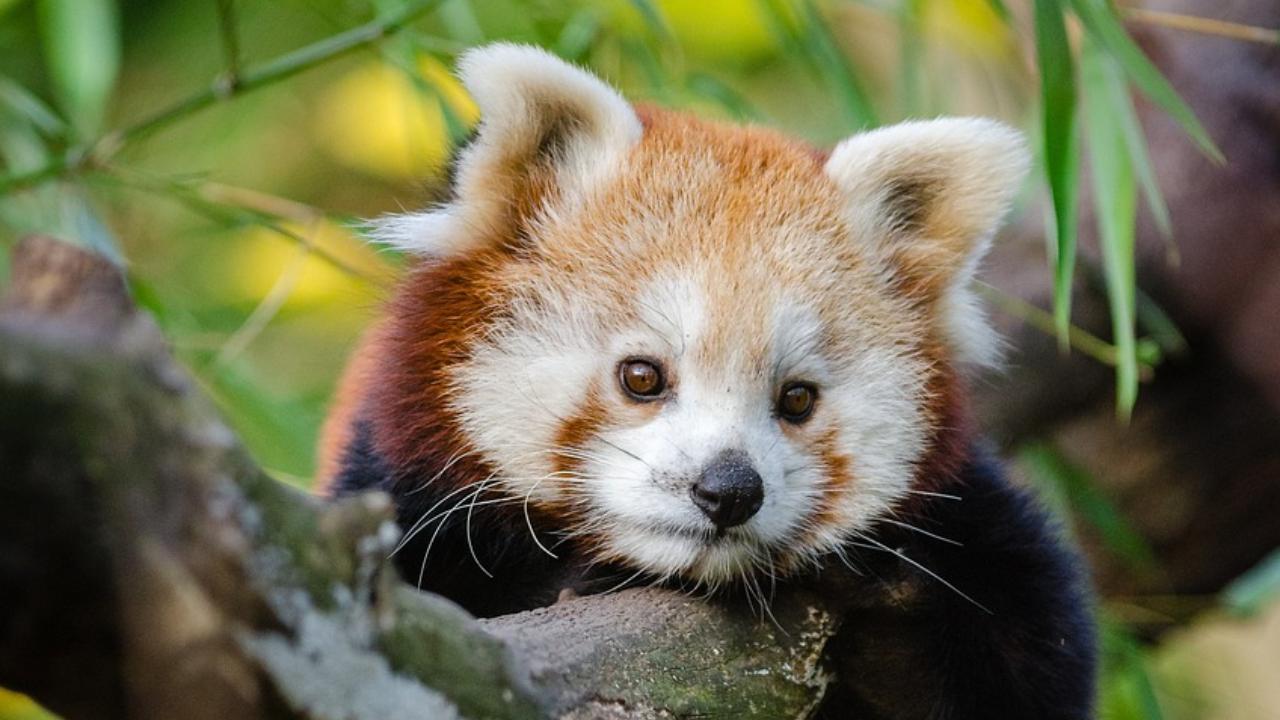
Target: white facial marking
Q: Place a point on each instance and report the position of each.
(633, 475)
(521, 91)
(731, 304)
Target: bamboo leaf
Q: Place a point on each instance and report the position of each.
(1250, 592)
(81, 44)
(15, 706)
(835, 68)
(278, 428)
(910, 58)
(1146, 688)
(1000, 9)
(578, 35)
(1074, 486)
(1117, 96)
(800, 30)
(1164, 331)
(1129, 690)
(654, 20)
(40, 209)
(1061, 159)
(781, 25)
(713, 89)
(458, 18)
(21, 102)
(1115, 202)
(1141, 159)
(641, 56)
(1104, 27)
(21, 147)
(83, 224)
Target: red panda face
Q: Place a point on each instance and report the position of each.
(705, 350)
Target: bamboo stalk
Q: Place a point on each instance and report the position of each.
(222, 89)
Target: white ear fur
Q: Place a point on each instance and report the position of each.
(534, 108)
(929, 196)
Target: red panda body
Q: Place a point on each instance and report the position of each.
(644, 348)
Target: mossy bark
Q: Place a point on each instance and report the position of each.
(151, 570)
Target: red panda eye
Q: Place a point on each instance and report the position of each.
(641, 379)
(795, 403)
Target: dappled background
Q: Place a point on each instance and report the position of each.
(226, 152)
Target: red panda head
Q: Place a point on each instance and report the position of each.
(700, 349)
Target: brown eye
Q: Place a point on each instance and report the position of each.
(642, 379)
(796, 402)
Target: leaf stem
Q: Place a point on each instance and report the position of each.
(1042, 320)
(230, 41)
(1203, 25)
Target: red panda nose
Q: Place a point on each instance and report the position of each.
(728, 491)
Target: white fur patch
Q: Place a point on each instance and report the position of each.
(976, 166)
(523, 94)
(533, 372)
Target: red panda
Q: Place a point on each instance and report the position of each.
(640, 347)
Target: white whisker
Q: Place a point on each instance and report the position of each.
(470, 545)
(877, 545)
(922, 531)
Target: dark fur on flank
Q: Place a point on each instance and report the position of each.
(1020, 645)
(917, 649)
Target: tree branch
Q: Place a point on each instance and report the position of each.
(152, 570)
(224, 87)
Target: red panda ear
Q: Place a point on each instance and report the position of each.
(928, 196)
(547, 128)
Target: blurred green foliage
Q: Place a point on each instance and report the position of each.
(224, 151)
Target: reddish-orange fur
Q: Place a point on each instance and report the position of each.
(399, 374)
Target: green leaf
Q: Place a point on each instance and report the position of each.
(825, 53)
(800, 30)
(21, 147)
(81, 43)
(1115, 200)
(38, 209)
(641, 56)
(146, 297)
(1146, 688)
(578, 35)
(713, 89)
(1115, 88)
(782, 24)
(1164, 331)
(653, 19)
(88, 228)
(15, 706)
(404, 57)
(1071, 484)
(460, 22)
(1000, 9)
(279, 430)
(1258, 587)
(1104, 27)
(911, 56)
(1128, 689)
(1061, 159)
(22, 103)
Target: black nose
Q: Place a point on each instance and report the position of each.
(729, 490)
